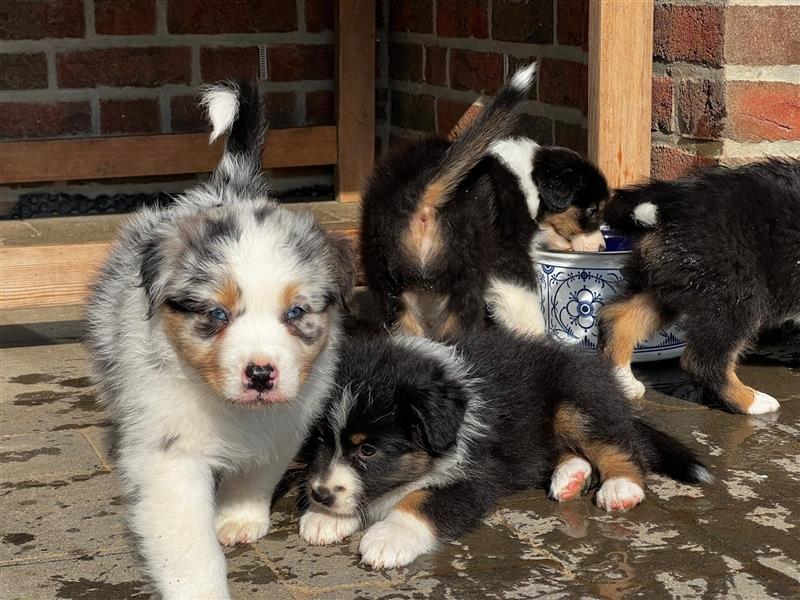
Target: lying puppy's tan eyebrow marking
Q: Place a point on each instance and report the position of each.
(358, 438)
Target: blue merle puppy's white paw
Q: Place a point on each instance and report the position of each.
(243, 524)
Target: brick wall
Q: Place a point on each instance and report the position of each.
(726, 82)
(442, 54)
(109, 67)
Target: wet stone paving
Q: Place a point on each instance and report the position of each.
(63, 533)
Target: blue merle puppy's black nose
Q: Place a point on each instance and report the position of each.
(260, 377)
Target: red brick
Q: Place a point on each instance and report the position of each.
(763, 111)
(462, 18)
(413, 111)
(125, 17)
(320, 107)
(35, 120)
(136, 67)
(662, 104)
(691, 33)
(280, 109)
(448, 112)
(295, 63)
(130, 116)
(436, 65)
(405, 62)
(668, 162)
(476, 71)
(37, 19)
(563, 82)
(529, 22)
(319, 15)
(186, 115)
(231, 16)
(228, 63)
(701, 108)
(572, 136)
(762, 35)
(573, 23)
(23, 71)
(411, 15)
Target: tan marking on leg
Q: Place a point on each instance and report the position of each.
(569, 424)
(611, 461)
(411, 320)
(629, 322)
(412, 504)
(738, 395)
(449, 327)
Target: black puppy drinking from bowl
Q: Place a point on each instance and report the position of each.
(448, 226)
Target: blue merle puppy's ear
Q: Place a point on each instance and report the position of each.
(436, 406)
(344, 267)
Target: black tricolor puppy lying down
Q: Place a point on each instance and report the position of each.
(719, 249)
(421, 439)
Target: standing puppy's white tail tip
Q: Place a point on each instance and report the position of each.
(222, 106)
(523, 78)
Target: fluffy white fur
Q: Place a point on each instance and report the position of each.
(524, 77)
(344, 482)
(177, 425)
(517, 154)
(396, 541)
(763, 403)
(619, 493)
(632, 388)
(222, 106)
(320, 528)
(515, 307)
(646, 214)
(571, 470)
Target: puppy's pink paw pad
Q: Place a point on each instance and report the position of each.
(569, 479)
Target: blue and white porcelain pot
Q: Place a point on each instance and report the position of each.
(574, 286)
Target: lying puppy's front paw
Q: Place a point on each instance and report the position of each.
(320, 529)
(241, 525)
(396, 541)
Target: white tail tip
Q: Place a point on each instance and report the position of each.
(523, 78)
(222, 105)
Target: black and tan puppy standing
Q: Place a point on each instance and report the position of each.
(719, 249)
(448, 226)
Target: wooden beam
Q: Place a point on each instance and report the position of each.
(620, 80)
(355, 96)
(60, 274)
(147, 155)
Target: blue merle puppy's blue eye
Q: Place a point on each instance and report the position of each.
(218, 314)
(294, 313)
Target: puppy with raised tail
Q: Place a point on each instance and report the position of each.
(419, 440)
(213, 333)
(448, 225)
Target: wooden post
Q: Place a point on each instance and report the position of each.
(620, 88)
(355, 96)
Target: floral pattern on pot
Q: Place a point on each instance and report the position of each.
(575, 286)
